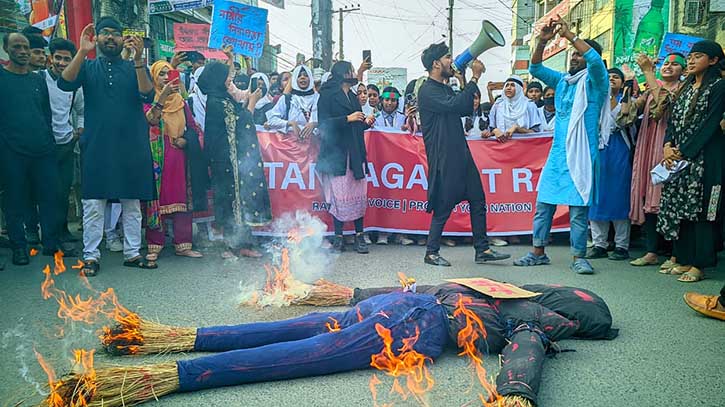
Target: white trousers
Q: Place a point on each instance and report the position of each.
(110, 220)
(600, 232)
(93, 224)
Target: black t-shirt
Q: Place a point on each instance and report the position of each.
(25, 116)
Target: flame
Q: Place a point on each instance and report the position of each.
(48, 283)
(33, 252)
(335, 327)
(59, 264)
(86, 387)
(408, 364)
(404, 280)
(79, 265)
(54, 399)
(467, 337)
(281, 288)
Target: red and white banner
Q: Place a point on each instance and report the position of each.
(397, 183)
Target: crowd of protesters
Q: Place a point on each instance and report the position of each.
(138, 145)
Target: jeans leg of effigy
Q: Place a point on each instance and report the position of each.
(350, 348)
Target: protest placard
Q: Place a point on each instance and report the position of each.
(167, 6)
(195, 37)
(674, 42)
(494, 288)
(239, 25)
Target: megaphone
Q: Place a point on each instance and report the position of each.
(488, 38)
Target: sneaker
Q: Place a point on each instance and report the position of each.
(20, 256)
(619, 254)
(406, 241)
(597, 253)
(114, 245)
(383, 239)
(581, 266)
(435, 259)
(498, 242)
(360, 245)
(338, 244)
(367, 239)
(590, 244)
(490, 255)
(532, 260)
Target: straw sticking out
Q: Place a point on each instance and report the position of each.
(326, 294)
(117, 386)
(515, 401)
(143, 337)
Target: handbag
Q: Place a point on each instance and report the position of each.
(661, 174)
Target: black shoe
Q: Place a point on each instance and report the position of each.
(597, 253)
(20, 256)
(360, 245)
(619, 254)
(435, 259)
(68, 252)
(5, 242)
(67, 237)
(338, 244)
(491, 255)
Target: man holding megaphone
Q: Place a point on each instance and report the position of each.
(452, 174)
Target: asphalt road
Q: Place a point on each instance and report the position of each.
(666, 354)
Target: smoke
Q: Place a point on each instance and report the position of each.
(309, 260)
(17, 341)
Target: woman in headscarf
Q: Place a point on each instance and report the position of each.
(241, 199)
(476, 124)
(611, 199)
(342, 160)
(691, 202)
(655, 106)
(296, 112)
(547, 110)
(168, 119)
(260, 81)
(513, 112)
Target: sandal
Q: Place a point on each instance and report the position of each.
(90, 268)
(139, 262)
(692, 276)
(227, 254)
(250, 253)
(189, 253)
(640, 262)
(668, 264)
(676, 270)
(152, 257)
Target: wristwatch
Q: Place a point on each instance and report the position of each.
(475, 79)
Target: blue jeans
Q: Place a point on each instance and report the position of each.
(577, 217)
(302, 347)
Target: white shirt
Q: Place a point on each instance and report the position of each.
(299, 105)
(62, 111)
(546, 126)
(398, 121)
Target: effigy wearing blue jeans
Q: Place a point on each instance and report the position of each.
(302, 347)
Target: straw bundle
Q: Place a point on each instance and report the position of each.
(114, 386)
(515, 401)
(146, 337)
(326, 294)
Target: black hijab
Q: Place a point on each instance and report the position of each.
(213, 80)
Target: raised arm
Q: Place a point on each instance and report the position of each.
(145, 85)
(549, 76)
(69, 80)
(436, 100)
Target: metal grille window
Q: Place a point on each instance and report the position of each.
(694, 12)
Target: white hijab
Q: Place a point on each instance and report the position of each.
(512, 110)
(266, 99)
(306, 103)
(296, 75)
(198, 98)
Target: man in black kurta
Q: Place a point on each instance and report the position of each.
(116, 155)
(452, 174)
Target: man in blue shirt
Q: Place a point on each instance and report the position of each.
(568, 176)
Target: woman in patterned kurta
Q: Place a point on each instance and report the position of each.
(241, 199)
(691, 202)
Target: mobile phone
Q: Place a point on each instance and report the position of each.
(367, 56)
(173, 76)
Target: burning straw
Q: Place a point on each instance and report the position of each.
(114, 386)
(142, 337)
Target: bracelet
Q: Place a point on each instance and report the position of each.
(140, 66)
(158, 105)
(573, 40)
(475, 79)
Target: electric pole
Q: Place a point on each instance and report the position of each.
(322, 33)
(342, 11)
(450, 26)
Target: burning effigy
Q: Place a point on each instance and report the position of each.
(394, 330)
